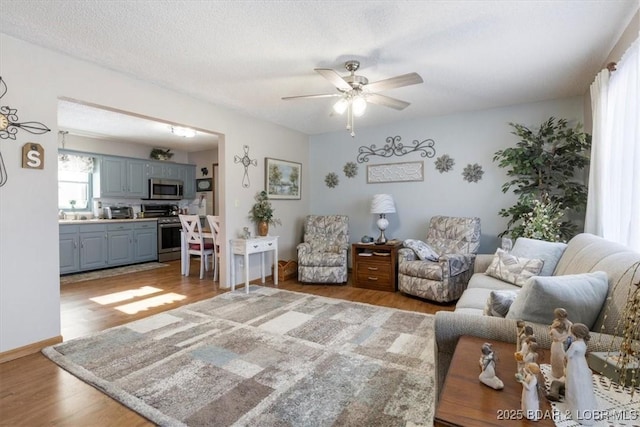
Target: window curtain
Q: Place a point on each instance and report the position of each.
(75, 163)
(613, 205)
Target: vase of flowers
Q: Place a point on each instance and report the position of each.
(262, 214)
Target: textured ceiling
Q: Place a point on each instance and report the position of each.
(247, 55)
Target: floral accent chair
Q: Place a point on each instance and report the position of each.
(456, 241)
(322, 257)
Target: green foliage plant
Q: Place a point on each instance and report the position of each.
(542, 166)
(262, 210)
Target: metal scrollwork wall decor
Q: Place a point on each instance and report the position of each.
(9, 126)
(394, 147)
(246, 162)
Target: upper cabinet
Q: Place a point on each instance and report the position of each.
(120, 177)
(125, 177)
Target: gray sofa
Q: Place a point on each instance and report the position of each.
(585, 253)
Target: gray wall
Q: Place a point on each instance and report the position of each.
(471, 137)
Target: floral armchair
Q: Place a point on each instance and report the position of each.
(322, 257)
(454, 243)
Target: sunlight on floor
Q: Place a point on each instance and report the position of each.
(145, 304)
(125, 295)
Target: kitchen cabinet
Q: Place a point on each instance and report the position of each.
(120, 177)
(145, 240)
(120, 241)
(93, 246)
(69, 244)
(165, 170)
(188, 176)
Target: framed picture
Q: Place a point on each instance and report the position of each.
(282, 179)
(204, 184)
(395, 172)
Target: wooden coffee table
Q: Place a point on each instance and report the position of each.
(465, 401)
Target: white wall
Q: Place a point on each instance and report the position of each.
(471, 137)
(29, 254)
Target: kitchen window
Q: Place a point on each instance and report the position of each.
(75, 182)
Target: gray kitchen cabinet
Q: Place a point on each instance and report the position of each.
(165, 170)
(188, 176)
(145, 240)
(121, 177)
(93, 246)
(120, 243)
(69, 245)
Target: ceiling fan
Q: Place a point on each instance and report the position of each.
(355, 91)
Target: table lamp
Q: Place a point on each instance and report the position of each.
(382, 204)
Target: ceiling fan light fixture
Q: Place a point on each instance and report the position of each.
(359, 105)
(341, 106)
(183, 132)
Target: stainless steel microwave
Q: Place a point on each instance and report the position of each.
(165, 189)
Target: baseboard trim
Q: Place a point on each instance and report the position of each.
(26, 350)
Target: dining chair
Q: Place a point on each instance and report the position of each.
(195, 243)
(214, 225)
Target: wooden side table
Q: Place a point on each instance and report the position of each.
(465, 401)
(375, 266)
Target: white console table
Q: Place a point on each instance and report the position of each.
(247, 247)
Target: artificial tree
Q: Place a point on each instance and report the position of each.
(543, 166)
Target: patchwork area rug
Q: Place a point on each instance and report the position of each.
(269, 358)
(110, 272)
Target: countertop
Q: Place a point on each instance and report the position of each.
(101, 221)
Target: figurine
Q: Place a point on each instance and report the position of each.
(530, 404)
(580, 397)
(520, 334)
(521, 356)
(488, 366)
(559, 332)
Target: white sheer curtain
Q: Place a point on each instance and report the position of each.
(613, 207)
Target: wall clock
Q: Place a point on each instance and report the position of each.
(204, 184)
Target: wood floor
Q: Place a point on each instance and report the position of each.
(36, 392)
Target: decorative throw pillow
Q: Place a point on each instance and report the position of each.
(582, 295)
(499, 302)
(422, 250)
(549, 252)
(513, 269)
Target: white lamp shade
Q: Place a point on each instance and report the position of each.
(341, 106)
(359, 105)
(382, 204)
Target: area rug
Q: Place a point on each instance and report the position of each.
(269, 358)
(110, 272)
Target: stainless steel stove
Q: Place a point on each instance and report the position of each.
(168, 230)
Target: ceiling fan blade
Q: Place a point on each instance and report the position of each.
(387, 101)
(334, 78)
(393, 82)
(323, 95)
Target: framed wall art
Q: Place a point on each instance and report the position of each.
(204, 184)
(283, 179)
(395, 172)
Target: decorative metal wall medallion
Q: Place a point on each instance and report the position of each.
(473, 172)
(395, 172)
(9, 127)
(394, 147)
(246, 162)
(331, 180)
(9, 120)
(444, 163)
(350, 169)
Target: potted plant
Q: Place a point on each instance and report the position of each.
(543, 166)
(262, 213)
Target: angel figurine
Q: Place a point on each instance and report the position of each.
(530, 403)
(488, 366)
(579, 394)
(559, 332)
